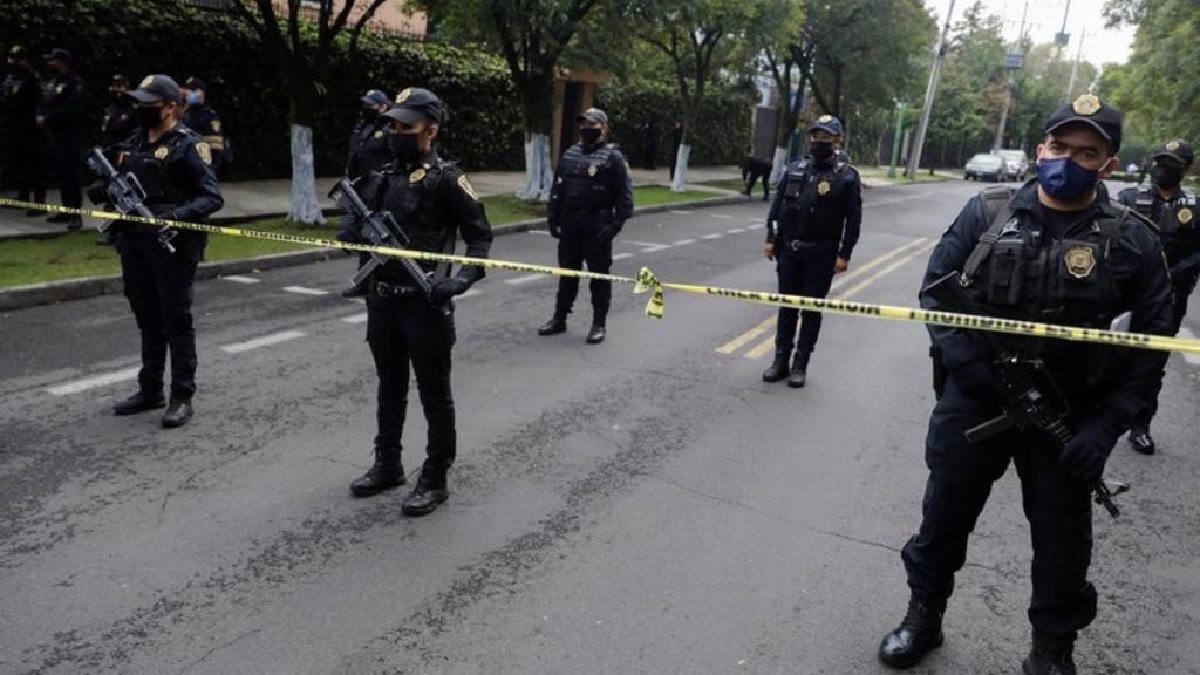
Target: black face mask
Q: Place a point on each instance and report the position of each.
(148, 118)
(821, 150)
(404, 147)
(589, 135)
(370, 114)
(1166, 177)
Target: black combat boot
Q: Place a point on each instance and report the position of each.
(557, 324)
(142, 401)
(1141, 440)
(799, 370)
(385, 474)
(177, 414)
(919, 633)
(1049, 656)
(425, 497)
(779, 367)
(596, 335)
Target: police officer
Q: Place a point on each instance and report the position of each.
(175, 166)
(202, 119)
(812, 228)
(118, 123)
(432, 199)
(1055, 253)
(63, 112)
(368, 152)
(1174, 211)
(24, 140)
(590, 201)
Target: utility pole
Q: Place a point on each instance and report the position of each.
(1075, 68)
(939, 53)
(1008, 92)
(896, 139)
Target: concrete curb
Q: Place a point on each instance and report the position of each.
(21, 297)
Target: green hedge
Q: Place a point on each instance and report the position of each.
(722, 134)
(137, 37)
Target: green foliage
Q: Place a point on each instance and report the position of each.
(717, 136)
(136, 38)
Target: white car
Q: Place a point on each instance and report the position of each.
(986, 167)
(1017, 163)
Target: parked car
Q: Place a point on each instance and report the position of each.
(986, 167)
(1018, 163)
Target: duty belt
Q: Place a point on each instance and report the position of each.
(384, 289)
(797, 244)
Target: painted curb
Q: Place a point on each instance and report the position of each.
(21, 297)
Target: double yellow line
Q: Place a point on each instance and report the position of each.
(882, 266)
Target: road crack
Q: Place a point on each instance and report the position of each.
(218, 648)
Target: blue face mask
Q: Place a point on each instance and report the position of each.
(1062, 178)
(193, 98)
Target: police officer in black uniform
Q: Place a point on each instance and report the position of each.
(368, 152)
(812, 228)
(63, 112)
(590, 201)
(433, 201)
(202, 119)
(1051, 253)
(24, 141)
(175, 166)
(1174, 211)
(118, 123)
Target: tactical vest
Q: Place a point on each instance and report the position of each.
(813, 203)
(584, 179)
(1176, 223)
(153, 171)
(1016, 272)
(412, 198)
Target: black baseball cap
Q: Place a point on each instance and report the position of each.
(118, 81)
(375, 97)
(593, 115)
(1089, 110)
(827, 123)
(155, 88)
(59, 54)
(194, 83)
(1180, 151)
(414, 104)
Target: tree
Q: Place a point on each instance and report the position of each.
(532, 35)
(300, 57)
(780, 49)
(688, 32)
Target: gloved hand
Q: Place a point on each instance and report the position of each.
(444, 289)
(348, 231)
(1086, 453)
(606, 233)
(976, 379)
(555, 230)
(164, 211)
(1182, 276)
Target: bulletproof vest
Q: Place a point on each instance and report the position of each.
(118, 123)
(585, 178)
(369, 149)
(1019, 272)
(813, 203)
(1176, 223)
(412, 198)
(156, 166)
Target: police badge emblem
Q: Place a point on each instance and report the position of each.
(161, 153)
(416, 176)
(1185, 216)
(1172, 146)
(1080, 261)
(1086, 105)
(591, 170)
(59, 89)
(146, 82)
(403, 95)
(824, 119)
(379, 133)
(216, 126)
(823, 188)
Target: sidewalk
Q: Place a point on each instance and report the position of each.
(250, 200)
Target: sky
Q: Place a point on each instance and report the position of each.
(1085, 19)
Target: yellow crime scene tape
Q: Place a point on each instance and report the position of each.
(647, 282)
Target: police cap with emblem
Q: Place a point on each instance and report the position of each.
(155, 88)
(375, 97)
(59, 54)
(826, 123)
(1090, 111)
(414, 104)
(592, 115)
(1180, 151)
(194, 83)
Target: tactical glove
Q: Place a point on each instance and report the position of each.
(1085, 454)
(444, 289)
(555, 230)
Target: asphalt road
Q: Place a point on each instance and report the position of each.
(647, 505)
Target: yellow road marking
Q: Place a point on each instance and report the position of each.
(745, 338)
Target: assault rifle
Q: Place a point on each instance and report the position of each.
(1031, 399)
(126, 194)
(381, 229)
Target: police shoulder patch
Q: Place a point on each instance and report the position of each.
(205, 152)
(466, 187)
(216, 126)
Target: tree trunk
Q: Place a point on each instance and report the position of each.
(778, 163)
(679, 184)
(305, 208)
(538, 107)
